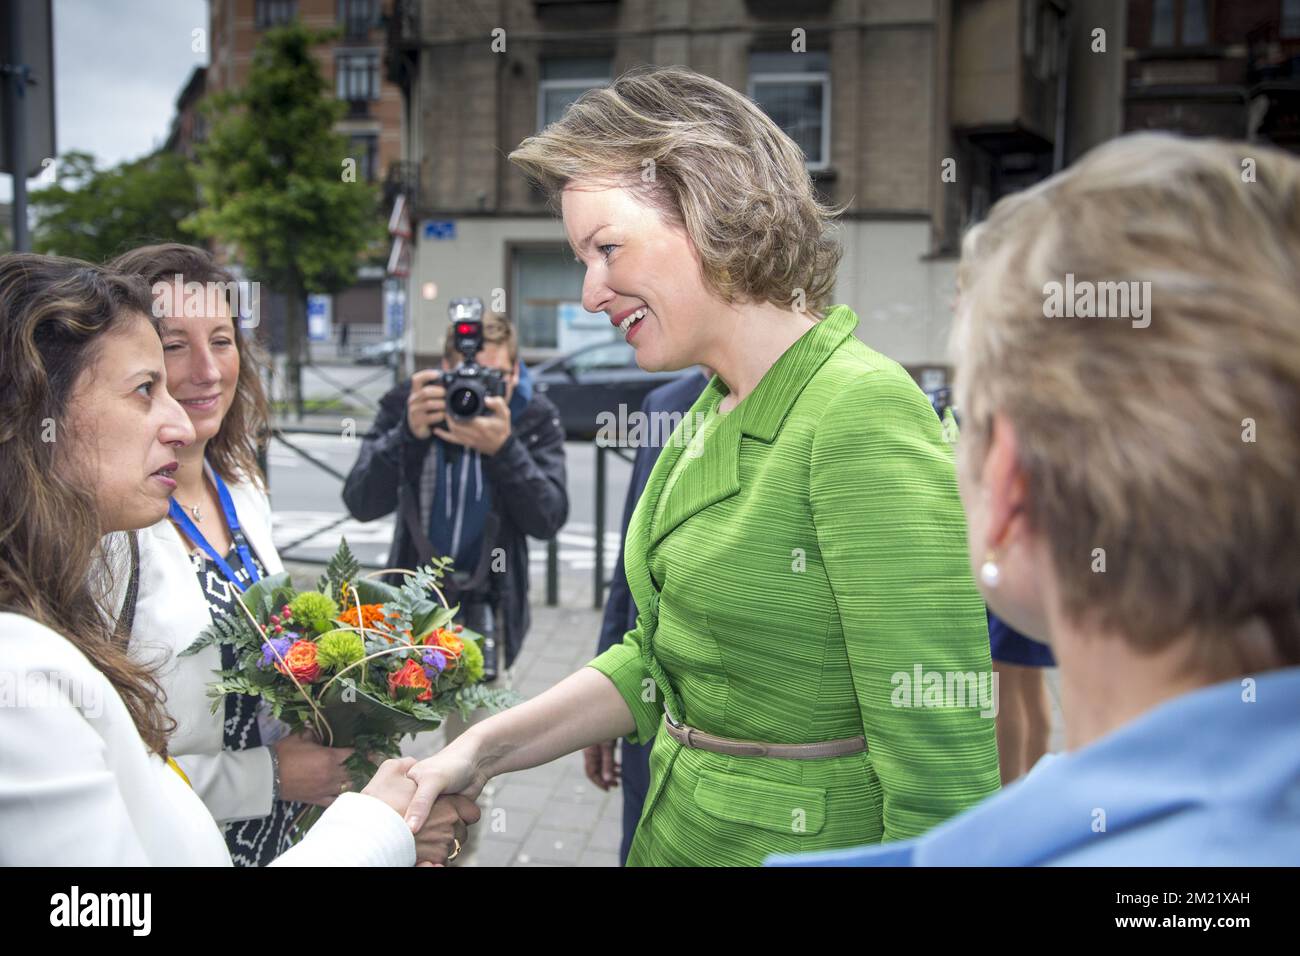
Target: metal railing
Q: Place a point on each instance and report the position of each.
(281, 433)
(602, 478)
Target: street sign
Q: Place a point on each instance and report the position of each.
(399, 223)
(399, 258)
(319, 310)
(440, 229)
(394, 310)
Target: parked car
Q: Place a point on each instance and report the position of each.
(381, 353)
(594, 379)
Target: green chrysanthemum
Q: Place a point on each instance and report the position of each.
(314, 610)
(472, 660)
(337, 649)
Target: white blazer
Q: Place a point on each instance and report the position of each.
(79, 787)
(170, 612)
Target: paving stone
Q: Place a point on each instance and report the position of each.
(553, 846)
(569, 816)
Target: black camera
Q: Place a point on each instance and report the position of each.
(469, 385)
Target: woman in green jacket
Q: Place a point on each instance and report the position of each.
(811, 655)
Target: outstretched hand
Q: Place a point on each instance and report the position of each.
(446, 828)
(444, 773)
(444, 824)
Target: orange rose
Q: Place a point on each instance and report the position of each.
(300, 660)
(372, 618)
(410, 677)
(449, 642)
(371, 614)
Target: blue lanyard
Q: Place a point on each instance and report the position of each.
(232, 522)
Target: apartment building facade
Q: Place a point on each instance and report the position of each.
(352, 65)
(916, 113)
(1215, 68)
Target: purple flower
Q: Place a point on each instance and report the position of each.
(269, 649)
(436, 662)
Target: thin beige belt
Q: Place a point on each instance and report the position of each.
(699, 740)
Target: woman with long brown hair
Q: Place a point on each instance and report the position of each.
(89, 438)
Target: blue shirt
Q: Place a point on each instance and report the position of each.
(1210, 778)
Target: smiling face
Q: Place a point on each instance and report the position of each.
(124, 428)
(202, 361)
(636, 260)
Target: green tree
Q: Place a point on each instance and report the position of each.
(96, 214)
(279, 187)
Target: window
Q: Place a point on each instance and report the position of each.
(1031, 28)
(274, 13)
(794, 89)
(364, 148)
(358, 17)
(1195, 23)
(1162, 26)
(542, 279)
(1186, 20)
(1290, 18)
(1049, 27)
(357, 75)
(563, 80)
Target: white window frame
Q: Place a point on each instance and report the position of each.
(347, 53)
(822, 77)
(1289, 22)
(577, 83)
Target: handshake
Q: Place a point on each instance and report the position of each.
(440, 823)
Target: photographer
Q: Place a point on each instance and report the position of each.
(469, 487)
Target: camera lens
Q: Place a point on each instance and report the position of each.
(464, 402)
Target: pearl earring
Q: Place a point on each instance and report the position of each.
(990, 573)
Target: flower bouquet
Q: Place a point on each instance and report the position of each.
(359, 662)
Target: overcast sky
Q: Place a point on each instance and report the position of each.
(118, 68)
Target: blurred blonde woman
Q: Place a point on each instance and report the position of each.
(1130, 485)
(1024, 720)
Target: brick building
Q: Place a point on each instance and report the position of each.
(352, 65)
(879, 95)
(1215, 68)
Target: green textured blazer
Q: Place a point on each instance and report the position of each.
(809, 555)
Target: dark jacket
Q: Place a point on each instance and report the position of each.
(675, 396)
(529, 498)
(620, 610)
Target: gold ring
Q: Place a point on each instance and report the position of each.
(454, 853)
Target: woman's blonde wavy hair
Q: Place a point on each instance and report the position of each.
(1174, 447)
(710, 162)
